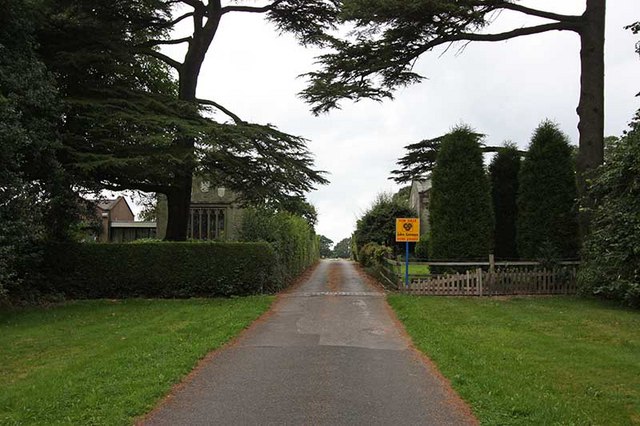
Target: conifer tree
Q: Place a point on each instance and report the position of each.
(503, 171)
(547, 220)
(461, 220)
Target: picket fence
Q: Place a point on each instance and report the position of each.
(515, 280)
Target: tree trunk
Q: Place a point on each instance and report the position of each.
(178, 208)
(591, 105)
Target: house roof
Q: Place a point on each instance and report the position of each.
(107, 204)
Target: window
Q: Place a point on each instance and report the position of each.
(207, 223)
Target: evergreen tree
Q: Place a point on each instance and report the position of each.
(504, 170)
(461, 220)
(547, 221)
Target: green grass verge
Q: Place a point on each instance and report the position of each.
(559, 360)
(103, 362)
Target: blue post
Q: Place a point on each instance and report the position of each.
(406, 266)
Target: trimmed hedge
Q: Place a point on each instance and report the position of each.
(293, 239)
(158, 270)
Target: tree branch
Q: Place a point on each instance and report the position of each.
(539, 13)
(196, 4)
(233, 116)
(164, 58)
(250, 9)
(556, 26)
(158, 42)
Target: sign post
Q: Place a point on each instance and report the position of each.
(407, 230)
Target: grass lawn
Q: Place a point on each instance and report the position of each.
(413, 269)
(104, 362)
(559, 360)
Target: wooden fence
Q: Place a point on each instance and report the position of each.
(530, 278)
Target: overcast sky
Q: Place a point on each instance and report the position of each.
(501, 89)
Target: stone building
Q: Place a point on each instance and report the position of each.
(419, 201)
(214, 215)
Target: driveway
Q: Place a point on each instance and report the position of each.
(330, 352)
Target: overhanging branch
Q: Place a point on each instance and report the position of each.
(556, 26)
(164, 58)
(233, 116)
(538, 13)
(250, 9)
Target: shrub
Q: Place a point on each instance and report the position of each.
(611, 253)
(461, 220)
(373, 254)
(422, 248)
(292, 238)
(547, 196)
(159, 270)
(503, 170)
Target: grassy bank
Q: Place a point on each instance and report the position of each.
(103, 362)
(532, 360)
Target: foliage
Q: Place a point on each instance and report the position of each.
(611, 253)
(378, 223)
(503, 172)
(420, 159)
(36, 199)
(373, 254)
(325, 246)
(342, 249)
(387, 37)
(60, 364)
(534, 360)
(293, 240)
(460, 217)
(547, 216)
(422, 248)
(157, 270)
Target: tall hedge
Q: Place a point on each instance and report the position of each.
(159, 270)
(503, 171)
(611, 253)
(461, 219)
(292, 238)
(547, 223)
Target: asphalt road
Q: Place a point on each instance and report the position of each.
(330, 353)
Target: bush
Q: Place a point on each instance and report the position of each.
(422, 248)
(611, 253)
(158, 270)
(292, 238)
(504, 170)
(547, 216)
(373, 254)
(461, 220)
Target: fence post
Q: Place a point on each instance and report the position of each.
(479, 272)
(492, 263)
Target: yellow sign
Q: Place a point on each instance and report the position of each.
(407, 229)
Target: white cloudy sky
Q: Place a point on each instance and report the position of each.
(501, 89)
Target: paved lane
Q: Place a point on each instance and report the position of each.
(330, 353)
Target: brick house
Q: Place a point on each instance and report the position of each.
(118, 224)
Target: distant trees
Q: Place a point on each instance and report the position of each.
(461, 219)
(611, 254)
(342, 249)
(547, 223)
(325, 246)
(503, 172)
